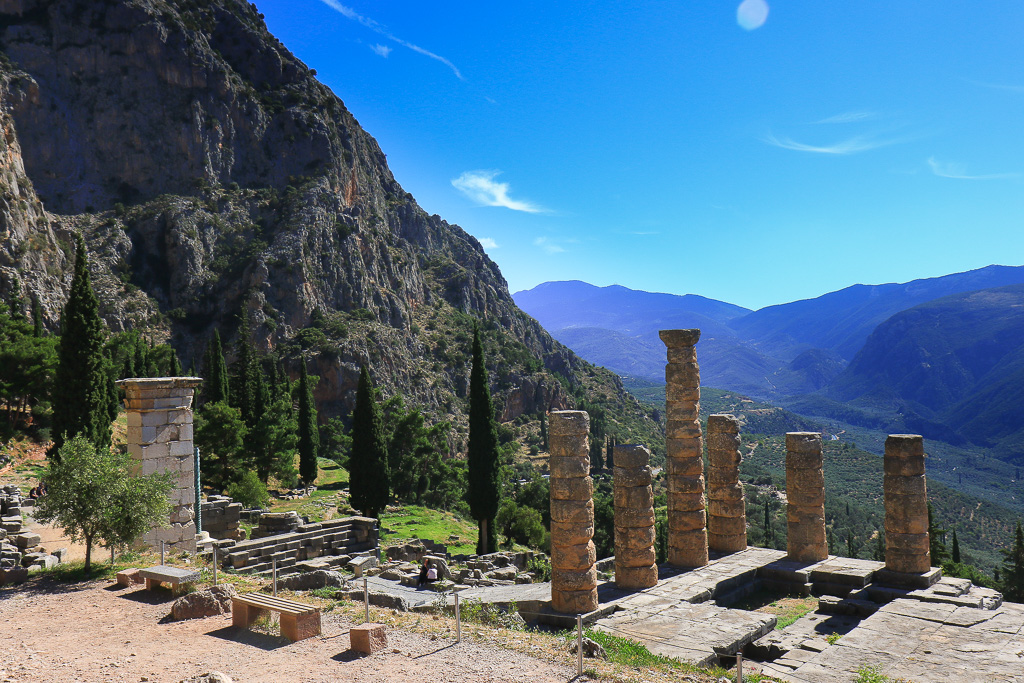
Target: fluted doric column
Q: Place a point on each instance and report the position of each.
(805, 491)
(907, 547)
(687, 522)
(727, 515)
(573, 577)
(635, 566)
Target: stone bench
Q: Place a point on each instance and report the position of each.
(175, 576)
(298, 620)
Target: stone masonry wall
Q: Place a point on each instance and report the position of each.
(160, 440)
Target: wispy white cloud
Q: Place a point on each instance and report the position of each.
(376, 27)
(547, 245)
(382, 50)
(999, 86)
(946, 169)
(854, 145)
(488, 243)
(850, 117)
(481, 187)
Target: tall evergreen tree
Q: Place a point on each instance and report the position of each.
(609, 460)
(956, 548)
(309, 434)
(80, 393)
(243, 373)
(936, 540)
(37, 318)
(483, 492)
(544, 430)
(1013, 568)
(369, 476)
(215, 372)
(175, 365)
(596, 456)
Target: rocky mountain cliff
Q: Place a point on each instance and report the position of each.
(211, 172)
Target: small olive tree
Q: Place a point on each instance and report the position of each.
(92, 495)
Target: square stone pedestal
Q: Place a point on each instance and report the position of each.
(368, 638)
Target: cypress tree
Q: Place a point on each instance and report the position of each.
(596, 456)
(140, 358)
(609, 460)
(482, 452)
(80, 392)
(369, 477)
(936, 540)
(37, 318)
(544, 430)
(956, 548)
(175, 365)
(309, 435)
(215, 372)
(243, 391)
(1013, 569)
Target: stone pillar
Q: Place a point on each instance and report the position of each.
(805, 490)
(634, 519)
(727, 515)
(687, 533)
(160, 440)
(906, 505)
(573, 576)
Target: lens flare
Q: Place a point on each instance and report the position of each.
(751, 14)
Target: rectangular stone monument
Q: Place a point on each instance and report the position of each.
(160, 440)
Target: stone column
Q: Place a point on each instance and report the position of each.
(727, 515)
(805, 490)
(160, 440)
(687, 534)
(634, 519)
(573, 577)
(906, 505)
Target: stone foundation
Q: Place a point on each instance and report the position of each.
(684, 464)
(573, 577)
(160, 440)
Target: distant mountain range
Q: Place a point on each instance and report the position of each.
(941, 356)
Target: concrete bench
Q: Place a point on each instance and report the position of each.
(175, 576)
(298, 620)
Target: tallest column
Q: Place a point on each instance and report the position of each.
(687, 522)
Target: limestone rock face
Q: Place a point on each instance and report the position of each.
(210, 171)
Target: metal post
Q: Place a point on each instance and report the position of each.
(111, 556)
(579, 644)
(366, 600)
(273, 565)
(215, 565)
(458, 620)
(739, 667)
(198, 506)
(161, 553)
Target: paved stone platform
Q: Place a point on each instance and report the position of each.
(920, 641)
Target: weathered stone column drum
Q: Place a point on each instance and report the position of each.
(573, 577)
(727, 515)
(160, 440)
(684, 464)
(635, 566)
(907, 547)
(805, 490)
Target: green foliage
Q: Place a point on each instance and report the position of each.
(249, 490)
(419, 472)
(220, 436)
(309, 434)
(832, 638)
(27, 364)
(369, 474)
(273, 442)
(604, 517)
(335, 443)
(936, 539)
(520, 524)
(483, 493)
(1013, 568)
(93, 496)
(81, 395)
(215, 372)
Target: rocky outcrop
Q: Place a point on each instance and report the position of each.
(205, 603)
(249, 186)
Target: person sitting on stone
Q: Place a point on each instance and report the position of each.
(431, 574)
(424, 570)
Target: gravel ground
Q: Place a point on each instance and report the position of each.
(59, 633)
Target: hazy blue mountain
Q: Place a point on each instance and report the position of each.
(841, 321)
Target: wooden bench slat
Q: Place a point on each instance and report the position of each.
(276, 604)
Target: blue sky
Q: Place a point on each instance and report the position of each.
(663, 146)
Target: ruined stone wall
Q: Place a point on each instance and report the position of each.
(635, 565)
(573, 577)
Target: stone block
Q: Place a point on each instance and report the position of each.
(803, 442)
(570, 534)
(633, 538)
(569, 467)
(642, 557)
(680, 338)
(725, 508)
(185, 432)
(684, 467)
(27, 539)
(905, 486)
(680, 484)
(580, 557)
(633, 497)
(681, 354)
(718, 476)
(570, 446)
(573, 512)
(685, 374)
(685, 522)
(574, 602)
(568, 423)
(636, 577)
(631, 456)
(368, 638)
(134, 419)
(906, 563)
(684, 502)
(798, 481)
(634, 518)
(632, 476)
(683, 429)
(156, 418)
(916, 544)
(680, 408)
(576, 488)
(684, 448)
(13, 575)
(731, 543)
(181, 448)
(728, 526)
(910, 524)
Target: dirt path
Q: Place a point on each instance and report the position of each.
(94, 632)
